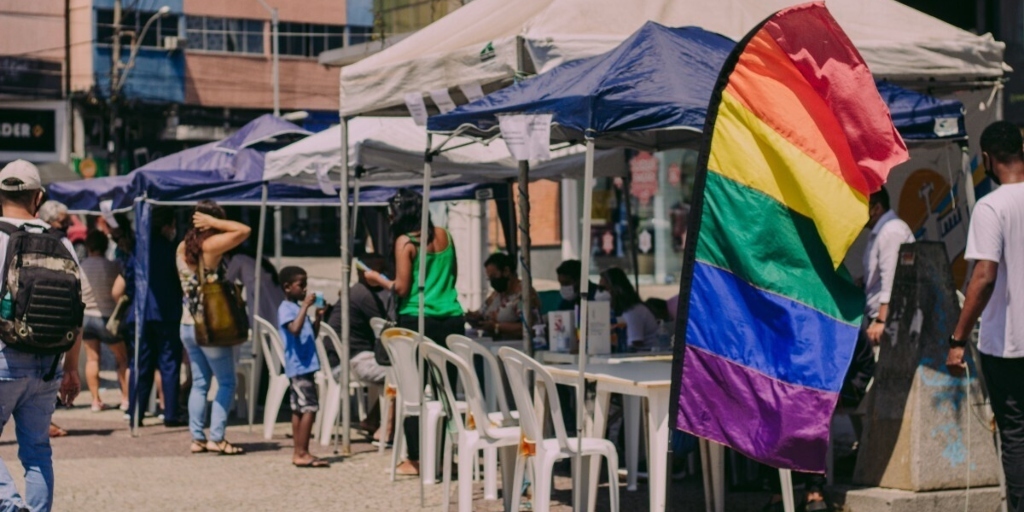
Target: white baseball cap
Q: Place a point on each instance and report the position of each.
(20, 175)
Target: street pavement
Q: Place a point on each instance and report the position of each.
(99, 466)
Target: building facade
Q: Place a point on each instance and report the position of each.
(187, 72)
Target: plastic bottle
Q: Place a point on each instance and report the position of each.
(7, 307)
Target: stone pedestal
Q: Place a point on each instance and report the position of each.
(924, 430)
(982, 499)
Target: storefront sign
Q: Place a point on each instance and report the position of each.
(30, 77)
(643, 169)
(28, 131)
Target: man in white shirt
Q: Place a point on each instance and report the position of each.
(888, 233)
(995, 243)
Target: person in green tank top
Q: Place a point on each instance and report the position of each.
(442, 311)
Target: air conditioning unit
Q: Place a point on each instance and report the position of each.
(172, 43)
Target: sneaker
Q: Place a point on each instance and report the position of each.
(99, 407)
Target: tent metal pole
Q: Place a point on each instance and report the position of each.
(346, 257)
(588, 200)
(631, 231)
(421, 281)
(524, 255)
(511, 242)
(965, 166)
(257, 349)
(141, 223)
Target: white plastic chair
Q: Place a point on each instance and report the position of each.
(476, 433)
(378, 325)
(467, 349)
(273, 353)
(333, 402)
(544, 452)
(401, 347)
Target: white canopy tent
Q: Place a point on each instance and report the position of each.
(478, 43)
(390, 150)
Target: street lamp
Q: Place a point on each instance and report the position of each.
(163, 11)
(274, 55)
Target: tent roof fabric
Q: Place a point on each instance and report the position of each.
(391, 149)
(921, 117)
(478, 43)
(262, 129)
(652, 92)
(658, 81)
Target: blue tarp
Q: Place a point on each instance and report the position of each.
(652, 92)
(922, 117)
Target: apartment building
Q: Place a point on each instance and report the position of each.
(189, 71)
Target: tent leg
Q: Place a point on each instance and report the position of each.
(524, 255)
(277, 236)
(257, 350)
(141, 250)
(631, 230)
(346, 256)
(588, 199)
(424, 237)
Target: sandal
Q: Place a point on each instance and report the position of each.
(817, 506)
(315, 462)
(223, 447)
(198, 446)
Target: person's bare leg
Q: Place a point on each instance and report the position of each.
(158, 384)
(92, 369)
(120, 352)
(302, 429)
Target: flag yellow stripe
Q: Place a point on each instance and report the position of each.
(746, 150)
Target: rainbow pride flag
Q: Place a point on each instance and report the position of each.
(797, 140)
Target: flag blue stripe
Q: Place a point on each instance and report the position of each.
(771, 334)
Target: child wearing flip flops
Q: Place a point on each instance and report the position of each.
(300, 361)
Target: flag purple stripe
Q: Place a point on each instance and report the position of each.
(768, 420)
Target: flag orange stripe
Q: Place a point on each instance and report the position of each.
(766, 82)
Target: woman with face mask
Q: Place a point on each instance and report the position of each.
(501, 315)
(641, 325)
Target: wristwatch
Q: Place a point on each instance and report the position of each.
(955, 343)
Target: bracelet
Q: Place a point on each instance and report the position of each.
(955, 343)
(877, 320)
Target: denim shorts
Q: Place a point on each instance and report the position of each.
(95, 328)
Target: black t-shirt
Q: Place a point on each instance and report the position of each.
(362, 307)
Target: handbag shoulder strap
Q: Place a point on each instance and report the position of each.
(202, 270)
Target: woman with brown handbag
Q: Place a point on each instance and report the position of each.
(201, 254)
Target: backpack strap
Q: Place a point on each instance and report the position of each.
(8, 228)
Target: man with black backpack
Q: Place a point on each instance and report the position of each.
(40, 319)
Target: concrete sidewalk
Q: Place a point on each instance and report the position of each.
(99, 466)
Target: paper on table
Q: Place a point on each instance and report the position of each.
(323, 181)
(527, 135)
(599, 339)
(443, 100)
(417, 108)
(472, 91)
(106, 208)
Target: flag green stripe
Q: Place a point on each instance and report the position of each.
(773, 248)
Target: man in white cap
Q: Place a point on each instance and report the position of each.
(26, 394)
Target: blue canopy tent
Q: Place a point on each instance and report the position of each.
(650, 93)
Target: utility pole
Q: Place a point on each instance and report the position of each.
(274, 77)
(113, 98)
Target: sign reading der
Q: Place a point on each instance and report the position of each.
(24, 130)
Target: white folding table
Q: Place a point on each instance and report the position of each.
(636, 380)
